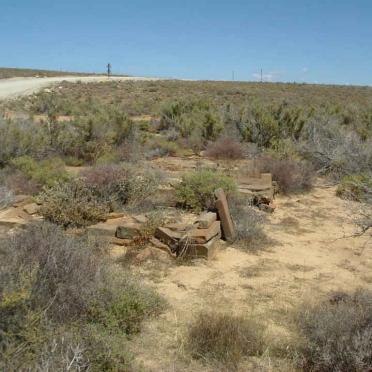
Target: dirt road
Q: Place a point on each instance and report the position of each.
(11, 88)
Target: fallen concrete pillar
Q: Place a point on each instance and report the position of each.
(224, 215)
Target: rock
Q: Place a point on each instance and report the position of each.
(158, 244)
(224, 215)
(102, 229)
(128, 231)
(205, 220)
(202, 236)
(31, 209)
(121, 242)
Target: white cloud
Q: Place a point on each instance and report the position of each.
(305, 69)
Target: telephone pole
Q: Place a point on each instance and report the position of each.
(261, 76)
(108, 69)
(233, 76)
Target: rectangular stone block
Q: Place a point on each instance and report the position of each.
(207, 250)
(205, 220)
(202, 236)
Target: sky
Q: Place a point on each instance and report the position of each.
(314, 41)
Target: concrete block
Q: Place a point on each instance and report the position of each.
(202, 236)
(224, 215)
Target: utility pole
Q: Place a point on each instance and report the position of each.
(108, 69)
(261, 76)
(233, 76)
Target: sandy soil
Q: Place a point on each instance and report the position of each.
(310, 254)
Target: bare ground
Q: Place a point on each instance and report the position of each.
(310, 253)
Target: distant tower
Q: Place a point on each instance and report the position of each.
(108, 69)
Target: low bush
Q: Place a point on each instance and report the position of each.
(337, 333)
(20, 138)
(356, 187)
(41, 173)
(18, 182)
(335, 150)
(248, 223)
(159, 147)
(225, 148)
(64, 306)
(71, 204)
(224, 338)
(6, 197)
(109, 183)
(290, 175)
(58, 274)
(198, 121)
(196, 191)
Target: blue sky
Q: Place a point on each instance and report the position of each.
(321, 41)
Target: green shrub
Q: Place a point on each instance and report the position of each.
(192, 119)
(19, 138)
(196, 191)
(248, 222)
(6, 197)
(291, 175)
(71, 204)
(224, 338)
(43, 173)
(65, 306)
(337, 333)
(126, 308)
(356, 187)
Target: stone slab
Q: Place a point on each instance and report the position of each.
(128, 231)
(202, 236)
(102, 229)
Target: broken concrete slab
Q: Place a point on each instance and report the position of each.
(128, 231)
(168, 237)
(205, 220)
(224, 215)
(158, 244)
(202, 236)
(207, 250)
